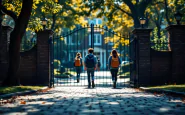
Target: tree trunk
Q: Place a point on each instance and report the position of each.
(166, 13)
(137, 10)
(54, 21)
(15, 41)
(158, 31)
(0, 25)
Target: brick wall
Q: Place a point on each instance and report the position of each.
(160, 67)
(27, 72)
(177, 44)
(4, 51)
(34, 64)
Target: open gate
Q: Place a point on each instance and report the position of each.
(64, 48)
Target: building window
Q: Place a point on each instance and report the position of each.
(95, 21)
(97, 39)
(110, 43)
(99, 21)
(73, 40)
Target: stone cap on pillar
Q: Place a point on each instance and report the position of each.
(43, 36)
(141, 31)
(48, 31)
(7, 28)
(171, 27)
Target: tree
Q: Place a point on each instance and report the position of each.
(23, 9)
(15, 40)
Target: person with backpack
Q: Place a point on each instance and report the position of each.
(78, 65)
(113, 64)
(90, 64)
(99, 65)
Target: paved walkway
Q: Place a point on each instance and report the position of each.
(99, 101)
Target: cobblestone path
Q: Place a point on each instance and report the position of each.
(98, 101)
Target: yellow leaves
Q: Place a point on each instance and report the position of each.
(64, 14)
(134, 1)
(10, 7)
(148, 10)
(86, 9)
(82, 21)
(171, 4)
(62, 38)
(34, 6)
(36, 1)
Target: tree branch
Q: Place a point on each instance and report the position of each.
(166, 14)
(118, 7)
(10, 13)
(130, 5)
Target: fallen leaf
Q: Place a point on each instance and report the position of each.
(183, 99)
(178, 105)
(23, 102)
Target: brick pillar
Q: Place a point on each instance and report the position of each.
(177, 45)
(4, 45)
(43, 56)
(143, 63)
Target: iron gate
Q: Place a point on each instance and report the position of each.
(133, 62)
(64, 48)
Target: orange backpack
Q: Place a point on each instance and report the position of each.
(77, 62)
(115, 62)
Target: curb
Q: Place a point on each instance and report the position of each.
(162, 91)
(20, 93)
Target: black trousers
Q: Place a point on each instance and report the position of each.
(114, 73)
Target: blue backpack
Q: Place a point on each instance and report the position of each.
(90, 61)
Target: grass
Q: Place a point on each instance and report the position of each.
(13, 89)
(178, 88)
(70, 73)
(64, 75)
(56, 72)
(125, 75)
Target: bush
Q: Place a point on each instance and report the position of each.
(124, 68)
(62, 76)
(57, 64)
(62, 69)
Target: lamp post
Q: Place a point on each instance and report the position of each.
(178, 17)
(2, 14)
(44, 23)
(142, 21)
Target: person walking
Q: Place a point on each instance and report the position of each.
(90, 64)
(98, 65)
(78, 65)
(113, 64)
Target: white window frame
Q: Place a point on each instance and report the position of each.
(71, 43)
(95, 37)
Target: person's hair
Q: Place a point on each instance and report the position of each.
(78, 55)
(90, 50)
(114, 53)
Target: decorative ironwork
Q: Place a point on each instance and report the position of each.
(65, 46)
